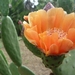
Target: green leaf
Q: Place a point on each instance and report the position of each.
(25, 71)
(4, 69)
(4, 7)
(10, 40)
(31, 47)
(14, 69)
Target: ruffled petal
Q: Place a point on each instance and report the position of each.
(39, 18)
(59, 17)
(67, 22)
(73, 24)
(32, 18)
(46, 40)
(55, 17)
(25, 18)
(32, 36)
(64, 45)
(42, 46)
(71, 34)
(25, 25)
(54, 38)
(53, 50)
(52, 31)
(43, 18)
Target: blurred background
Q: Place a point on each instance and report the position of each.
(19, 8)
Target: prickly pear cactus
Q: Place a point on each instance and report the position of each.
(68, 65)
(11, 44)
(61, 65)
(10, 41)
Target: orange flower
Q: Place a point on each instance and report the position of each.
(53, 32)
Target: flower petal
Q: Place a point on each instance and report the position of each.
(25, 25)
(42, 46)
(52, 31)
(53, 50)
(67, 22)
(54, 38)
(71, 34)
(65, 45)
(32, 36)
(73, 24)
(51, 17)
(59, 17)
(25, 17)
(43, 18)
(46, 39)
(55, 17)
(31, 18)
(38, 18)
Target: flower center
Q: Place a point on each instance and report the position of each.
(60, 33)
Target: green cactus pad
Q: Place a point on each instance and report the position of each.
(68, 65)
(4, 68)
(25, 71)
(14, 69)
(61, 65)
(10, 40)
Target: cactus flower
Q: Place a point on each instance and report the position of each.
(52, 31)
